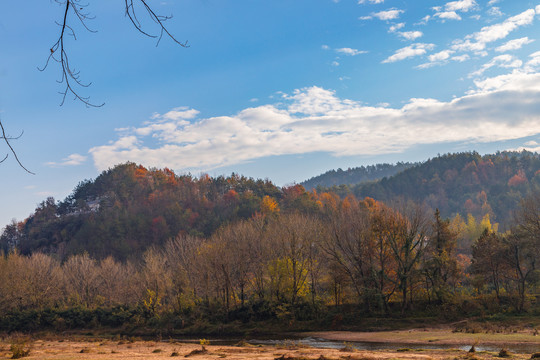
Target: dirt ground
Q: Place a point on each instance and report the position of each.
(109, 349)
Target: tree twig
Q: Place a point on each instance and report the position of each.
(6, 140)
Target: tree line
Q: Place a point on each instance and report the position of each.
(286, 265)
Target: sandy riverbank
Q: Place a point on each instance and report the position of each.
(108, 349)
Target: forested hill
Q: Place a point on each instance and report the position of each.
(129, 208)
(357, 175)
(464, 183)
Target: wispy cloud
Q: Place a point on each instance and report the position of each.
(440, 56)
(450, 10)
(514, 44)
(370, 1)
(448, 15)
(461, 5)
(495, 11)
(350, 51)
(503, 61)
(532, 146)
(409, 52)
(390, 14)
(410, 35)
(477, 41)
(396, 27)
(71, 160)
(461, 58)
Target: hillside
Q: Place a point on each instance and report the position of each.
(129, 208)
(357, 175)
(464, 183)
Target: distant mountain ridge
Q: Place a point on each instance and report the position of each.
(461, 183)
(357, 175)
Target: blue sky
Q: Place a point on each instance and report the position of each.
(276, 89)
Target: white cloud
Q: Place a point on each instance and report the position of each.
(493, 2)
(317, 120)
(502, 61)
(477, 42)
(350, 52)
(532, 146)
(179, 114)
(388, 14)
(448, 15)
(461, 58)
(424, 20)
(514, 44)
(450, 9)
(335, 63)
(440, 56)
(436, 59)
(71, 160)
(409, 51)
(411, 35)
(532, 64)
(495, 11)
(325, 47)
(461, 5)
(396, 27)
(370, 1)
(500, 31)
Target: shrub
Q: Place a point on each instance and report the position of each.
(19, 350)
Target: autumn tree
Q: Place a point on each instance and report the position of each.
(294, 241)
(81, 278)
(488, 263)
(408, 230)
(347, 244)
(441, 266)
(156, 280)
(524, 247)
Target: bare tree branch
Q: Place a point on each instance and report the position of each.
(158, 19)
(7, 139)
(70, 77)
